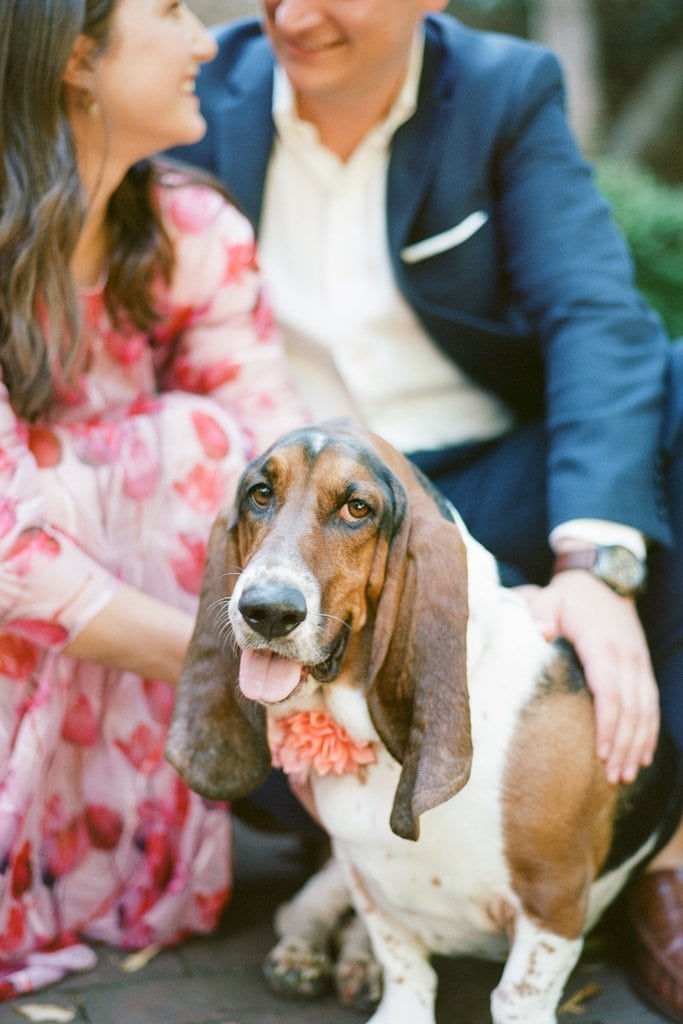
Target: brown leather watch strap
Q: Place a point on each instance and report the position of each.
(615, 565)
(579, 558)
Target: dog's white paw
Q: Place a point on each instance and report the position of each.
(299, 969)
(309, 964)
(357, 974)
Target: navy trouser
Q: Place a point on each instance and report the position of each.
(499, 489)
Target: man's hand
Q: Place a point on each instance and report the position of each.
(606, 633)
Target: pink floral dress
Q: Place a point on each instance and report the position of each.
(99, 838)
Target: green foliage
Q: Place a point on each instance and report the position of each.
(650, 214)
(488, 10)
(634, 35)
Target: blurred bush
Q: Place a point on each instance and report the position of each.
(650, 214)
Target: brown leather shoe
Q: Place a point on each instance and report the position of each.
(654, 906)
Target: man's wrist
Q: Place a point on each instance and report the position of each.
(587, 533)
(615, 565)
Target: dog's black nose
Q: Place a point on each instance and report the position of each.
(272, 610)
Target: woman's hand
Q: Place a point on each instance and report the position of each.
(606, 633)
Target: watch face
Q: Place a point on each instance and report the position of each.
(621, 569)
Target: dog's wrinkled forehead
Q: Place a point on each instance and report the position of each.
(333, 460)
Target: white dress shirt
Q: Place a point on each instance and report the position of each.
(353, 341)
(355, 345)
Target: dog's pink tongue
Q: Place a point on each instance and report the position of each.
(267, 677)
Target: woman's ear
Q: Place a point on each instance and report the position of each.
(79, 74)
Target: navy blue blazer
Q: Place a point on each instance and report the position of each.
(538, 304)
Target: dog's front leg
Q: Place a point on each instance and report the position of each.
(409, 980)
(321, 943)
(300, 965)
(535, 975)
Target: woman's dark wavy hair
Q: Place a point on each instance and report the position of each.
(42, 208)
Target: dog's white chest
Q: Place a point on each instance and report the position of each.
(451, 887)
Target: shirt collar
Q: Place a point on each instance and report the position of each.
(287, 120)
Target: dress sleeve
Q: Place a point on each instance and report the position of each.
(219, 329)
(49, 587)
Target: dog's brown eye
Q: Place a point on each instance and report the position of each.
(355, 509)
(261, 494)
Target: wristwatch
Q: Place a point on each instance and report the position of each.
(616, 566)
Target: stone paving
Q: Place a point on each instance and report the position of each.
(217, 980)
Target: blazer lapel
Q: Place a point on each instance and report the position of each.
(247, 112)
(417, 143)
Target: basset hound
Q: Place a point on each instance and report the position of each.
(353, 632)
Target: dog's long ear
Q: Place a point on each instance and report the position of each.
(417, 694)
(216, 741)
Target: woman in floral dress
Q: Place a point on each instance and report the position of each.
(139, 372)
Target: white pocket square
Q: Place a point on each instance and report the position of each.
(446, 239)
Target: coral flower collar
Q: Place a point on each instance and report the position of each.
(313, 741)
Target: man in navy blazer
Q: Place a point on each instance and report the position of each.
(506, 270)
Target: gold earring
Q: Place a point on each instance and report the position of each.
(90, 104)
